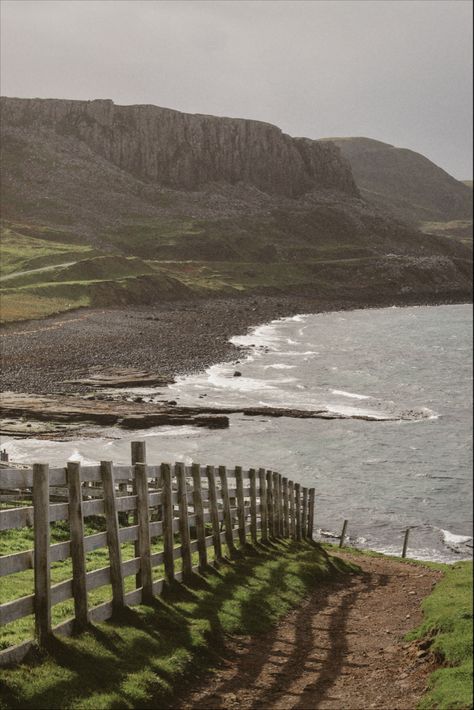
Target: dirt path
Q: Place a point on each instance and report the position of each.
(342, 649)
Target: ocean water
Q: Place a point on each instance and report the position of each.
(408, 370)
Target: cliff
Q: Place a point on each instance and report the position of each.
(187, 151)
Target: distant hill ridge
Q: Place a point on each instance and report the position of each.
(106, 204)
(404, 182)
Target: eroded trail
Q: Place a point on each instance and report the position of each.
(343, 648)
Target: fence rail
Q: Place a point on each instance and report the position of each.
(203, 507)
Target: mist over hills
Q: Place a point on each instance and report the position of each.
(202, 205)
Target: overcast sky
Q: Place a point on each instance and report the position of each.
(395, 70)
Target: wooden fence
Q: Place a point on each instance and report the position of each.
(204, 507)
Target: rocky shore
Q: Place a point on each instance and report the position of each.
(51, 356)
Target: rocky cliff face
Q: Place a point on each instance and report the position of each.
(186, 151)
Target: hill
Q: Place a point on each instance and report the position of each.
(404, 182)
(208, 204)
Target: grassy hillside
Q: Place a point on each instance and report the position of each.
(41, 276)
(139, 659)
(405, 183)
(318, 251)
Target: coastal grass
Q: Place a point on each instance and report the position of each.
(448, 622)
(144, 656)
(17, 305)
(19, 251)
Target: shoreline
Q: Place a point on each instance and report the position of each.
(168, 339)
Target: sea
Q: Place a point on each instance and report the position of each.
(397, 455)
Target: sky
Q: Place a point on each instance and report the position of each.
(395, 70)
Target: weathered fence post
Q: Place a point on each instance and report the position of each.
(229, 538)
(216, 533)
(298, 510)
(292, 510)
(168, 539)
(113, 539)
(183, 521)
(240, 505)
(78, 555)
(405, 542)
(304, 522)
(270, 504)
(280, 504)
(263, 505)
(42, 559)
(343, 533)
(253, 505)
(311, 513)
(199, 513)
(286, 511)
(143, 521)
(138, 455)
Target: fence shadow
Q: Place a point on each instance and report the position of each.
(189, 621)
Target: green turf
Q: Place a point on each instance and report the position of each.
(141, 658)
(447, 620)
(20, 251)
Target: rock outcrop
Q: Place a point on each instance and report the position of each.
(188, 151)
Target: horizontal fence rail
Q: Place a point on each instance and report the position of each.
(186, 509)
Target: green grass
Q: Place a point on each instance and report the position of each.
(20, 251)
(139, 659)
(448, 622)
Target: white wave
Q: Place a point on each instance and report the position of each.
(80, 458)
(455, 540)
(240, 384)
(356, 411)
(279, 366)
(350, 394)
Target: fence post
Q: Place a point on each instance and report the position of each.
(216, 534)
(304, 522)
(286, 511)
(311, 513)
(405, 542)
(263, 505)
(199, 513)
(78, 555)
(298, 510)
(167, 522)
(229, 538)
(42, 561)
(253, 505)
(113, 539)
(292, 510)
(183, 521)
(138, 455)
(343, 533)
(278, 487)
(240, 504)
(270, 504)
(143, 520)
